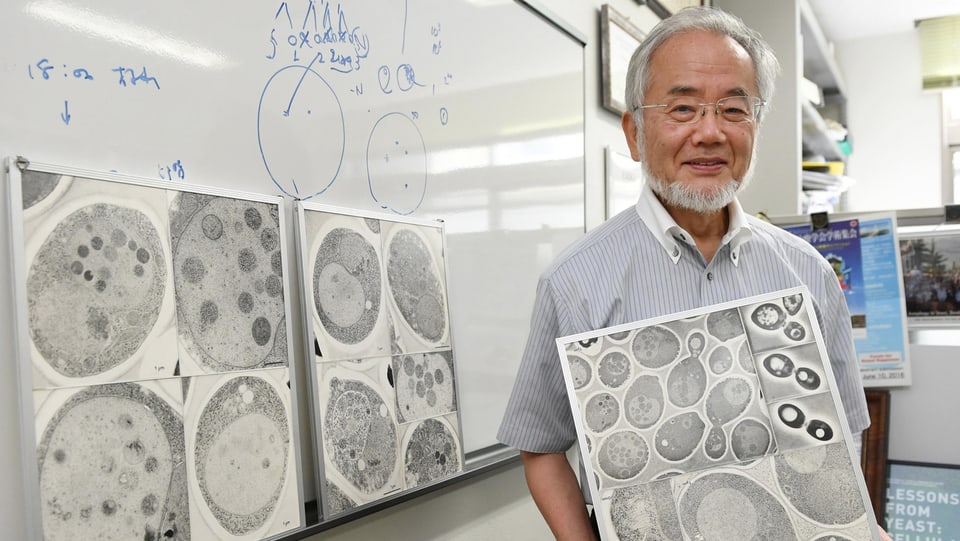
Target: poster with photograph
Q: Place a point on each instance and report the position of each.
(839, 243)
(688, 420)
(155, 359)
(923, 501)
(931, 276)
(379, 341)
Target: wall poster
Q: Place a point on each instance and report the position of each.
(718, 423)
(923, 501)
(382, 363)
(154, 357)
(931, 276)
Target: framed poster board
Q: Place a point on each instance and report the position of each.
(923, 500)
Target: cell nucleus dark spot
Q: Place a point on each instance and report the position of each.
(265, 464)
(438, 376)
(109, 507)
(143, 255)
(150, 464)
(428, 379)
(795, 331)
(820, 430)
(193, 270)
(60, 455)
(808, 379)
(209, 313)
(778, 365)
(133, 452)
(269, 239)
(125, 421)
(118, 237)
(252, 218)
(149, 505)
(212, 226)
(76, 267)
(83, 251)
(132, 245)
(98, 325)
(261, 331)
(88, 275)
(409, 365)
(96, 243)
(273, 285)
(245, 302)
(138, 270)
(100, 285)
(247, 260)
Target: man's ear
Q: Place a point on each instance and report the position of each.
(630, 128)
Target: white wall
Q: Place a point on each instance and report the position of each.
(895, 127)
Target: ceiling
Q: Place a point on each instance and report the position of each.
(844, 20)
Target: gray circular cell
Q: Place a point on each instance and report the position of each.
(273, 285)
(431, 453)
(261, 331)
(678, 437)
(643, 402)
(37, 186)
(580, 371)
(793, 303)
(193, 270)
(212, 226)
(118, 237)
(143, 255)
(791, 415)
(346, 286)
(112, 309)
(601, 412)
(722, 505)
(96, 243)
(613, 369)
(750, 439)
(807, 378)
(415, 285)
(778, 365)
(438, 376)
(359, 435)
(795, 331)
(686, 382)
(409, 365)
(655, 347)
(242, 447)
(715, 444)
(819, 482)
(728, 399)
(768, 316)
(623, 455)
(208, 314)
(720, 360)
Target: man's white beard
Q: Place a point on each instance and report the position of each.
(685, 196)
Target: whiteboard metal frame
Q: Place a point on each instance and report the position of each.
(13, 167)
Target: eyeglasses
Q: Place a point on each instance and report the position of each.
(688, 110)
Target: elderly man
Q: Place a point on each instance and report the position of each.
(696, 92)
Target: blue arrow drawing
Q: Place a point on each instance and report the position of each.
(65, 115)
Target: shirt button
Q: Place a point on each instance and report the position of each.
(734, 255)
(676, 251)
(710, 276)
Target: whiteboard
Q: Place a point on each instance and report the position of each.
(468, 111)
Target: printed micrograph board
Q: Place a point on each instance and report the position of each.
(156, 356)
(721, 423)
(379, 341)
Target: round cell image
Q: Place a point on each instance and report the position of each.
(820, 430)
(686, 382)
(424, 385)
(795, 331)
(645, 513)
(715, 444)
(750, 439)
(347, 286)
(416, 286)
(778, 365)
(95, 289)
(793, 303)
(643, 402)
(655, 347)
(432, 452)
(623, 455)
(242, 445)
(601, 412)
(723, 505)
(819, 482)
(678, 437)
(807, 378)
(111, 464)
(791, 415)
(724, 324)
(228, 269)
(360, 435)
(768, 316)
(720, 360)
(613, 369)
(728, 399)
(580, 371)
(37, 186)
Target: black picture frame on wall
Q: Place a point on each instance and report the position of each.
(619, 37)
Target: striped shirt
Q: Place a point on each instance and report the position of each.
(640, 264)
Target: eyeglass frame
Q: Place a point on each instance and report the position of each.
(759, 103)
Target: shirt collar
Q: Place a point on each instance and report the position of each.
(669, 234)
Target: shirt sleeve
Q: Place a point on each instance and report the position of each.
(538, 418)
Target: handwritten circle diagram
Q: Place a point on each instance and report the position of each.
(397, 164)
(301, 131)
(103, 268)
(111, 464)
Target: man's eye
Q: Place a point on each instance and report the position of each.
(683, 108)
